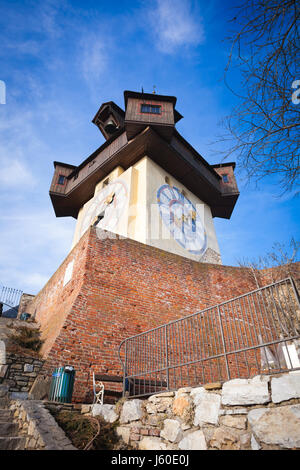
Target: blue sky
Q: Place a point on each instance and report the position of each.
(60, 60)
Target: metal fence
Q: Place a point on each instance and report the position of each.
(9, 300)
(254, 333)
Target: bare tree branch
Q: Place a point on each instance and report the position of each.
(263, 130)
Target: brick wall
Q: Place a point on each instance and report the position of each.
(120, 287)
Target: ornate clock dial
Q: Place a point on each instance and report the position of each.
(181, 218)
(106, 207)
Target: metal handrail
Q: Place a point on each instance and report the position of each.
(246, 325)
(10, 297)
(209, 308)
(10, 307)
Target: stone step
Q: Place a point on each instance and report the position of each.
(4, 396)
(12, 443)
(4, 402)
(8, 429)
(6, 415)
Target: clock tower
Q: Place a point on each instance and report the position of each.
(146, 182)
(144, 251)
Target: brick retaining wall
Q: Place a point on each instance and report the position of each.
(118, 288)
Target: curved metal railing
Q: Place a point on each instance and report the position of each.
(10, 298)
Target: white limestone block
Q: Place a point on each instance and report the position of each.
(285, 387)
(193, 441)
(277, 426)
(246, 391)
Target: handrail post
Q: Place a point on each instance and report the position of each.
(295, 290)
(124, 370)
(223, 342)
(167, 355)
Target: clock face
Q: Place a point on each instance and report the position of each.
(106, 207)
(181, 218)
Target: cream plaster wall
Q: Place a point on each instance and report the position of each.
(157, 234)
(121, 227)
(140, 218)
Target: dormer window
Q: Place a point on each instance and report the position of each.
(225, 178)
(61, 179)
(151, 108)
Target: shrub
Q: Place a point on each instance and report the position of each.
(27, 338)
(81, 429)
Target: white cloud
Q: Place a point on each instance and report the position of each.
(49, 12)
(93, 60)
(34, 282)
(25, 47)
(18, 140)
(32, 247)
(15, 174)
(175, 25)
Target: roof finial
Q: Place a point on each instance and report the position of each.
(154, 86)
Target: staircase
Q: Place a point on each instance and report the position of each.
(9, 432)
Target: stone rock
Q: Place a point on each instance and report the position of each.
(160, 402)
(225, 440)
(156, 419)
(172, 430)
(277, 426)
(197, 394)
(207, 408)
(254, 444)
(183, 390)
(3, 370)
(4, 389)
(2, 353)
(238, 422)
(106, 411)
(41, 388)
(16, 367)
(213, 386)
(28, 367)
(150, 408)
(38, 363)
(246, 391)
(152, 443)
(245, 440)
(193, 441)
(19, 395)
(181, 405)
(185, 426)
(131, 411)
(156, 398)
(124, 433)
(285, 387)
(85, 409)
(234, 411)
(164, 404)
(157, 404)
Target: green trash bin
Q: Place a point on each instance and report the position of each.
(61, 389)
